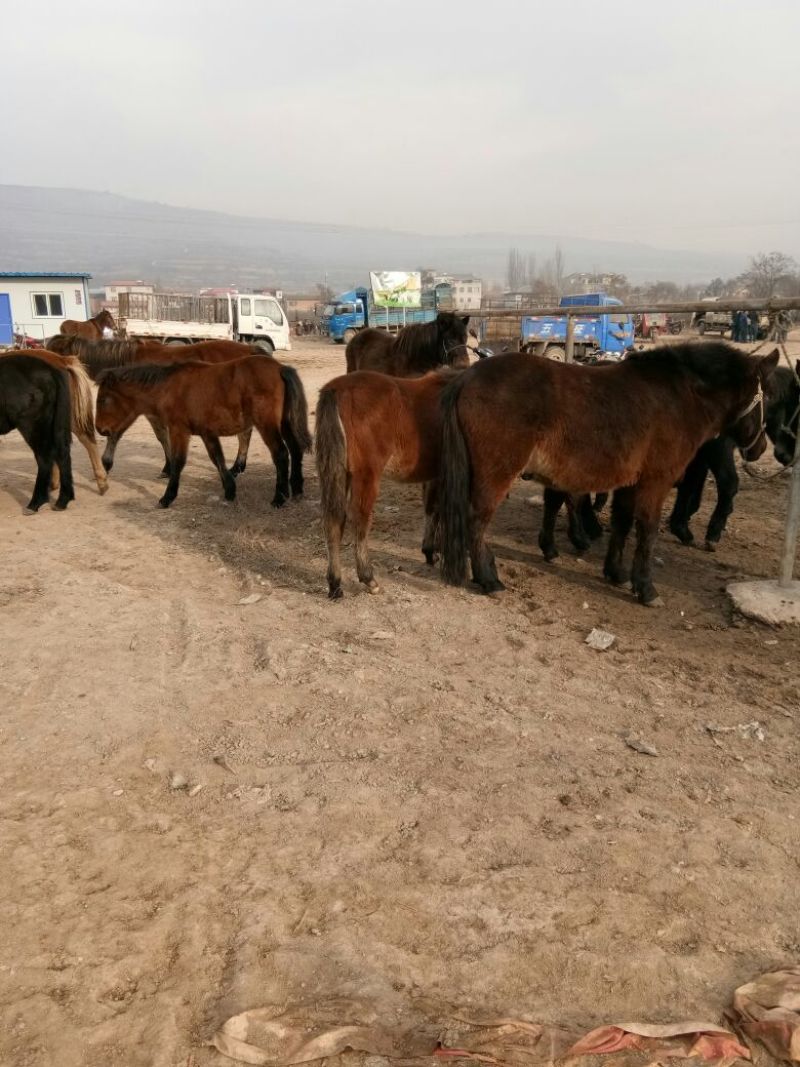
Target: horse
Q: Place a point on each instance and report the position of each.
(631, 426)
(415, 350)
(369, 424)
(91, 329)
(211, 401)
(82, 412)
(783, 414)
(34, 399)
(101, 355)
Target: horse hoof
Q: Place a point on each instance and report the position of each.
(336, 594)
(656, 602)
(164, 503)
(278, 502)
(102, 488)
(550, 555)
(710, 546)
(373, 587)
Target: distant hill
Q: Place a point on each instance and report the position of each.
(118, 237)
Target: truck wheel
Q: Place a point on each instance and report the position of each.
(701, 328)
(556, 352)
(349, 335)
(266, 347)
(176, 341)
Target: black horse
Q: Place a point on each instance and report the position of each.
(415, 350)
(718, 457)
(34, 399)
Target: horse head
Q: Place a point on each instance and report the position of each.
(454, 336)
(748, 429)
(783, 413)
(116, 413)
(105, 318)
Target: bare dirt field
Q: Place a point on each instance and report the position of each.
(425, 793)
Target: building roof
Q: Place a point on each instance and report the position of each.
(44, 274)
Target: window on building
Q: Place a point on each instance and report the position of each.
(78, 297)
(48, 305)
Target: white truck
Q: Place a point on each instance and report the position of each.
(180, 318)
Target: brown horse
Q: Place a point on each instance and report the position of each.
(82, 412)
(368, 424)
(91, 329)
(415, 350)
(101, 355)
(632, 427)
(211, 401)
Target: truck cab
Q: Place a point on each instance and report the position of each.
(346, 316)
(606, 335)
(259, 318)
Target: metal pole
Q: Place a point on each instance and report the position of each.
(569, 351)
(792, 522)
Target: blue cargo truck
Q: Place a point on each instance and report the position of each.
(604, 334)
(355, 309)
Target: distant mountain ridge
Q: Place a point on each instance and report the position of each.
(120, 237)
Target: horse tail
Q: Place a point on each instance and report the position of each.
(80, 397)
(294, 420)
(331, 452)
(62, 432)
(455, 478)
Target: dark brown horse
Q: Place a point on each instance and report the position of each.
(91, 329)
(632, 427)
(98, 356)
(369, 424)
(211, 401)
(82, 412)
(415, 350)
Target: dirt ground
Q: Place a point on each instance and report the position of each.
(420, 793)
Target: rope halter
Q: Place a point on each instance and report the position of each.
(758, 400)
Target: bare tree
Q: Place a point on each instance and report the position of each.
(324, 293)
(515, 271)
(558, 270)
(531, 270)
(769, 273)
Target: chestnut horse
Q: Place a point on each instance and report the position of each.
(82, 412)
(211, 401)
(415, 350)
(368, 424)
(632, 427)
(100, 355)
(91, 329)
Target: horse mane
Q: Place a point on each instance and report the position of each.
(715, 364)
(421, 336)
(94, 353)
(145, 374)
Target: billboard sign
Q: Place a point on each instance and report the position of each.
(396, 288)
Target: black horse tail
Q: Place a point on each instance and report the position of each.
(455, 483)
(62, 433)
(331, 450)
(294, 422)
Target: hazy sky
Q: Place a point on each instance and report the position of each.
(670, 123)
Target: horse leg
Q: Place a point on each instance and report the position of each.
(178, 448)
(55, 479)
(724, 470)
(333, 524)
(44, 472)
(587, 511)
(280, 457)
(432, 533)
(621, 521)
(647, 512)
(215, 454)
(484, 505)
(600, 501)
(90, 444)
(240, 462)
(363, 494)
(577, 509)
(160, 430)
(553, 499)
(689, 496)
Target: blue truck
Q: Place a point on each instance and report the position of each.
(355, 309)
(604, 334)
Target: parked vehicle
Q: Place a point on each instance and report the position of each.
(651, 324)
(355, 309)
(180, 318)
(605, 334)
(712, 321)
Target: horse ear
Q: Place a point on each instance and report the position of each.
(465, 319)
(768, 363)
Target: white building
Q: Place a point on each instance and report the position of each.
(35, 304)
(467, 291)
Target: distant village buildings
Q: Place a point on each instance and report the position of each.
(34, 304)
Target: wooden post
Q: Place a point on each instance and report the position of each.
(569, 351)
(792, 522)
